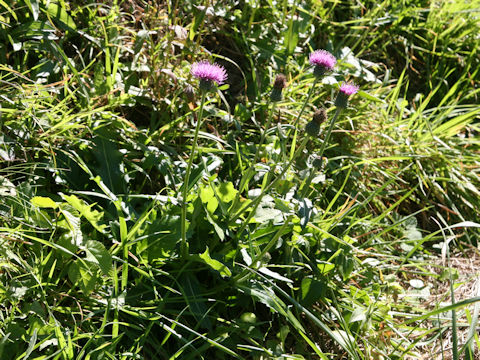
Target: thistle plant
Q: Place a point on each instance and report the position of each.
(208, 75)
(322, 62)
(313, 128)
(275, 96)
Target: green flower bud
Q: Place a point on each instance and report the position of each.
(279, 84)
(313, 128)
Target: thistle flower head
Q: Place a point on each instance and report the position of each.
(345, 91)
(323, 62)
(348, 89)
(208, 74)
(278, 86)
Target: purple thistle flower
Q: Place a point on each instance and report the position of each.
(208, 74)
(345, 91)
(348, 89)
(323, 62)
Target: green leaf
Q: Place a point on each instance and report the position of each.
(214, 264)
(226, 192)
(31, 344)
(97, 254)
(273, 274)
(94, 217)
(82, 276)
(33, 6)
(267, 297)
(368, 96)
(109, 161)
(312, 291)
(266, 212)
(160, 236)
(7, 188)
(43, 202)
(10, 10)
(59, 13)
(325, 267)
(197, 20)
(72, 223)
(208, 197)
(191, 292)
(359, 314)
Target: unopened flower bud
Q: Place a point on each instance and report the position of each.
(319, 162)
(320, 116)
(312, 128)
(279, 84)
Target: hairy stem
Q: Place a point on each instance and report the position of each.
(184, 244)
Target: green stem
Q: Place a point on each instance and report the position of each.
(184, 244)
(295, 124)
(304, 189)
(454, 314)
(271, 243)
(257, 200)
(264, 132)
(251, 169)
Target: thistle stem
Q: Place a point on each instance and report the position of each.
(295, 124)
(184, 244)
(250, 170)
(264, 132)
(257, 200)
(304, 189)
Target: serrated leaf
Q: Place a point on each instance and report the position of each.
(83, 277)
(94, 217)
(97, 254)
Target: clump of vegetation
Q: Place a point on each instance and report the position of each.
(193, 181)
